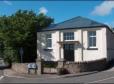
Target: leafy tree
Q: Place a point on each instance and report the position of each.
(19, 30)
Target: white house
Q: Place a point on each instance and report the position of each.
(78, 39)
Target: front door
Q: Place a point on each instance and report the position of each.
(69, 52)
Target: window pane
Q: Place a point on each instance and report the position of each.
(90, 41)
(94, 41)
(48, 35)
(68, 36)
(49, 40)
(94, 33)
(92, 38)
(90, 33)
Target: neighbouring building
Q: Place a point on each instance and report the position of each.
(79, 39)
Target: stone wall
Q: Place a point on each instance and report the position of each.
(20, 67)
(75, 67)
(71, 67)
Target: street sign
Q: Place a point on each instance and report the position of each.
(32, 66)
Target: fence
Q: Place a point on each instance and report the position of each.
(50, 67)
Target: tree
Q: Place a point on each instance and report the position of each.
(19, 30)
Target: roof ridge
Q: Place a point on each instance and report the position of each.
(68, 19)
(80, 17)
(93, 20)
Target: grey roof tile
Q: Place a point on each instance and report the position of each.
(77, 22)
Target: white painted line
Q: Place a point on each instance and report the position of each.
(1, 77)
(101, 80)
(29, 78)
(14, 76)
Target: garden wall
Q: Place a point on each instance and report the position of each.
(75, 67)
(71, 67)
(20, 67)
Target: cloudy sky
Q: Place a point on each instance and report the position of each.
(101, 11)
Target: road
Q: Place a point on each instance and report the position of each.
(100, 77)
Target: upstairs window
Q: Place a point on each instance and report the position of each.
(48, 40)
(68, 36)
(92, 39)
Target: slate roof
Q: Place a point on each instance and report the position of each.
(75, 23)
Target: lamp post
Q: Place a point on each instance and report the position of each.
(21, 54)
(1, 49)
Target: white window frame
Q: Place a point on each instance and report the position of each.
(68, 36)
(95, 36)
(48, 38)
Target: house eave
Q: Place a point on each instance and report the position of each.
(73, 28)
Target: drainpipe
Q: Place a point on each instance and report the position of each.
(59, 46)
(82, 43)
(39, 45)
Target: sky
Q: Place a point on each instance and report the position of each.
(101, 11)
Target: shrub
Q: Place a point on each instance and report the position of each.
(62, 71)
(50, 64)
(10, 55)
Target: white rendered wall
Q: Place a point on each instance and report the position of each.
(41, 46)
(100, 44)
(81, 53)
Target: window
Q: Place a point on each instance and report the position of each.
(92, 39)
(68, 36)
(48, 40)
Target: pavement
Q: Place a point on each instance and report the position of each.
(99, 77)
(111, 69)
(12, 73)
(106, 76)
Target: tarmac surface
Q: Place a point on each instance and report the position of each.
(95, 77)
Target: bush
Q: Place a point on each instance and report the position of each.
(62, 71)
(10, 55)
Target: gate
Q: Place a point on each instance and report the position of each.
(50, 67)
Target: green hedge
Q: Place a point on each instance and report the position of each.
(50, 64)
